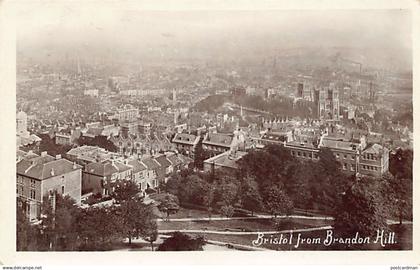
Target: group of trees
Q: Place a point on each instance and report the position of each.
(401, 183)
(270, 180)
(48, 144)
(101, 141)
(281, 105)
(284, 182)
(65, 226)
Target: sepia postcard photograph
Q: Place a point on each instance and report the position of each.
(222, 129)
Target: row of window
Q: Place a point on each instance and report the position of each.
(370, 157)
(20, 179)
(345, 156)
(19, 191)
(370, 168)
(304, 154)
(349, 166)
(212, 147)
(138, 145)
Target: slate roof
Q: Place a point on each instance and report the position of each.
(163, 161)
(137, 166)
(374, 149)
(185, 138)
(150, 163)
(106, 168)
(174, 160)
(226, 159)
(218, 139)
(42, 168)
(343, 145)
(26, 155)
(185, 159)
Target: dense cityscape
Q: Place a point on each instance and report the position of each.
(114, 153)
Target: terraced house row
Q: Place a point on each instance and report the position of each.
(86, 171)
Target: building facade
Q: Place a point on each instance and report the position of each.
(40, 176)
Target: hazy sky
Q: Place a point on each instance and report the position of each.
(195, 32)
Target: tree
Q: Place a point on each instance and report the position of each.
(193, 190)
(277, 202)
(59, 216)
(227, 210)
(401, 164)
(169, 204)
(23, 228)
(182, 242)
(399, 195)
(173, 184)
(125, 190)
(361, 210)
(329, 181)
(299, 188)
(226, 192)
(272, 166)
(135, 215)
(250, 196)
(401, 183)
(99, 227)
(48, 145)
(209, 199)
(200, 155)
(149, 231)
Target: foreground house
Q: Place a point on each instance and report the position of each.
(100, 177)
(40, 176)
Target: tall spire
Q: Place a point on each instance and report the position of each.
(79, 68)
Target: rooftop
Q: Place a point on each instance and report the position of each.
(185, 138)
(335, 144)
(43, 167)
(163, 161)
(137, 166)
(150, 163)
(106, 168)
(374, 149)
(218, 139)
(226, 159)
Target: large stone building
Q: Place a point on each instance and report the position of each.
(374, 160)
(41, 176)
(354, 156)
(345, 152)
(327, 103)
(126, 114)
(217, 143)
(186, 143)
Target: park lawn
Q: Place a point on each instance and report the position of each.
(186, 213)
(260, 224)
